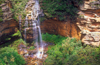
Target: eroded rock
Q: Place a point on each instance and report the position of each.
(62, 28)
(89, 22)
(86, 28)
(7, 28)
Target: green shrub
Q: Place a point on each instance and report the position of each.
(17, 34)
(9, 56)
(62, 52)
(52, 38)
(13, 44)
(71, 52)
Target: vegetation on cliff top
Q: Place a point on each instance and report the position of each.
(61, 9)
(18, 8)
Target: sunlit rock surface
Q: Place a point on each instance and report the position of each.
(89, 22)
(61, 28)
(86, 28)
(90, 4)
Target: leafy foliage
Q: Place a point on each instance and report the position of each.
(69, 51)
(14, 44)
(52, 38)
(17, 33)
(60, 8)
(18, 8)
(8, 52)
(8, 56)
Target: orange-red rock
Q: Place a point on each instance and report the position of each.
(62, 28)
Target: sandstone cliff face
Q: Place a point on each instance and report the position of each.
(7, 14)
(9, 25)
(89, 22)
(86, 28)
(7, 28)
(62, 28)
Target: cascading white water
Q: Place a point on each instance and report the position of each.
(32, 31)
(26, 22)
(26, 26)
(36, 10)
(36, 27)
(35, 32)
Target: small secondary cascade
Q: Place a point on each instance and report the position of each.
(20, 26)
(26, 26)
(33, 16)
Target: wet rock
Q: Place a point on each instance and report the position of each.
(21, 46)
(30, 55)
(32, 52)
(7, 28)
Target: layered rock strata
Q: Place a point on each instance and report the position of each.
(86, 28)
(67, 29)
(8, 26)
(89, 22)
(7, 14)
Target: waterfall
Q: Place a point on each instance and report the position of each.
(35, 25)
(35, 31)
(26, 26)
